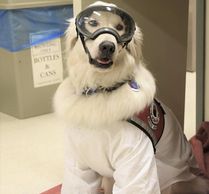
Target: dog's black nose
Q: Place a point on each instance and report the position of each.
(107, 48)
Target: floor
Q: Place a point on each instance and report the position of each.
(31, 160)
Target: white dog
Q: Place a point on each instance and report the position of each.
(114, 124)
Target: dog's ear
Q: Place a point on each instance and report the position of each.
(135, 45)
(71, 35)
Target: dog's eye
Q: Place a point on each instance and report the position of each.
(93, 23)
(119, 27)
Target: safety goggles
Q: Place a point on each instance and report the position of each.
(97, 20)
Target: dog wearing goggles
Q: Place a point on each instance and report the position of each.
(119, 137)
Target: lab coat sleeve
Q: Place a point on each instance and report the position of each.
(135, 169)
(80, 180)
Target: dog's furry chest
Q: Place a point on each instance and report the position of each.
(101, 109)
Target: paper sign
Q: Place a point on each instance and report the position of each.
(47, 62)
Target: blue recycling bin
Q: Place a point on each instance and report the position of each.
(18, 24)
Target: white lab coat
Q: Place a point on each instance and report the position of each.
(125, 153)
(120, 151)
(173, 153)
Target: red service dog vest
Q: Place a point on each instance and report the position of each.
(151, 121)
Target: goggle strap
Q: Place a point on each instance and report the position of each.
(125, 45)
(84, 46)
(83, 41)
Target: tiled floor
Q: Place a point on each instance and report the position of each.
(31, 156)
(31, 150)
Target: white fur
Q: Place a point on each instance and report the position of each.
(104, 108)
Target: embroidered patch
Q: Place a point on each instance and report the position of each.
(134, 85)
(154, 117)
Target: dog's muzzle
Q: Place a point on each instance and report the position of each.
(97, 20)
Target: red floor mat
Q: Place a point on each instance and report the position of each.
(54, 190)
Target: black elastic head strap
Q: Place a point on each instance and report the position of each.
(84, 46)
